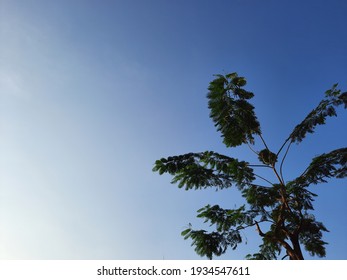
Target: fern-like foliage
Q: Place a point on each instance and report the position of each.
(280, 211)
(231, 111)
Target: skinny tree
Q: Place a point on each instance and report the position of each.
(281, 212)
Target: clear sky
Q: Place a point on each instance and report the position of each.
(93, 92)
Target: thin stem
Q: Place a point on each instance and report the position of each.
(258, 186)
(303, 173)
(259, 230)
(252, 149)
(277, 175)
(251, 225)
(263, 179)
(285, 142)
(284, 157)
(262, 139)
(259, 165)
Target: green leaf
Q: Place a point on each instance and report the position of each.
(186, 232)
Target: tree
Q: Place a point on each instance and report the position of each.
(281, 212)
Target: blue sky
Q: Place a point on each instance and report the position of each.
(93, 92)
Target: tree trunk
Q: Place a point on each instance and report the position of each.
(296, 253)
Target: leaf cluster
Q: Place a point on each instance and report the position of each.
(205, 169)
(322, 167)
(230, 110)
(267, 157)
(326, 108)
(311, 233)
(228, 225)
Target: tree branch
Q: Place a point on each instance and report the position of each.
(259, 230)
(252, 149)
(263, 179)
(262, 139)
(278, 176)
(285, 142)
(259, 165)
(284, 157)
(257, 185)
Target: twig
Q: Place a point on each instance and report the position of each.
(259, 165)
(252, 149)
(259, 230)
(285, 142)
(263, 179)
(262, 139)
(284, 157)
